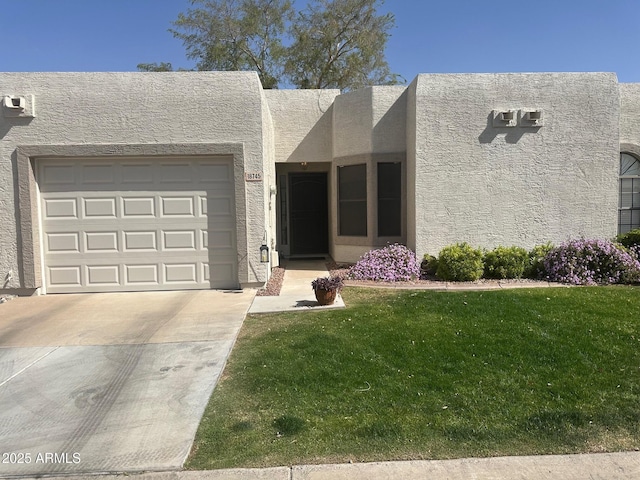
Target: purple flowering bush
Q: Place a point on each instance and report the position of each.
(591, 262)
(393, 263)
(327, 283)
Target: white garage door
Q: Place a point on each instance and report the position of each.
(139, 224)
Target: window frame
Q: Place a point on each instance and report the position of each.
(635, 178)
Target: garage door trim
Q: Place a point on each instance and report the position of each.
(30, 249)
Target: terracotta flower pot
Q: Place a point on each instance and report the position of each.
(325, 297)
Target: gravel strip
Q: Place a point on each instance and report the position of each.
(273, 286)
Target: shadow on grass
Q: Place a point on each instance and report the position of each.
(289, 424)
(380, 430)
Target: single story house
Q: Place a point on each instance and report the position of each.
(197, 180)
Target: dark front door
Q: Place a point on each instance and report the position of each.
(309, 213)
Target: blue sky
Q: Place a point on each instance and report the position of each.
(430, 36)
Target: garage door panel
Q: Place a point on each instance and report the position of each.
(62, 242)
(218, 206)
(59, 174)
(176, 173)
(137, 173)
(100, 242)
(208, 173)
(180, 273)
(140, 240)
(138, 225)
(218, 239)
(68, 276)
(177, 206)
(98, 275)
(141, 275)
(100, 174)
(60, 208)
(99, 207)
(219, 272)
(138, 207)
(179, 240)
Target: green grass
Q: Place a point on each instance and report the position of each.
(420, 374)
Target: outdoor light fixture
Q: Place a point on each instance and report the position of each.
(264, 254)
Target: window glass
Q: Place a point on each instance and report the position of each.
(389, 199)
(352, 200)
(629, 165)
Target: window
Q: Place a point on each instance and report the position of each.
(629, 212)
(352, 200)
(389, 200)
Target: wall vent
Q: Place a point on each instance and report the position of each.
(504, 118)
(531, 117)
(18, 106)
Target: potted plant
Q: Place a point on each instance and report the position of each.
(326, 289)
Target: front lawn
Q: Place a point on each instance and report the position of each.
(423, 374)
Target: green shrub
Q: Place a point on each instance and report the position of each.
(429, 265)
(460, 262)
(629, 239)
(535, 265)
(505, 262)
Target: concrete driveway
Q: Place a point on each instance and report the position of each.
(110, 382)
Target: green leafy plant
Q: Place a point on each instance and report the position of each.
(460, 262)
(629, 239)
(428, 266)
(535, 263)
(505, 262)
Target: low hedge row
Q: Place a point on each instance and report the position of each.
(463, 263)
(579, 262)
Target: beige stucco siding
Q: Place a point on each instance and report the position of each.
(370, 120)
(500, 186)
(630, 117)
(302, 124)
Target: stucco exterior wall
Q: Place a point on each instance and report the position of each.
(389, 116)
(302, 123)
(495, 185)
(183, 108)
(369, 120)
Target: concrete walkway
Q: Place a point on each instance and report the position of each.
(110, 382)
(296, 294)
(604, 466)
